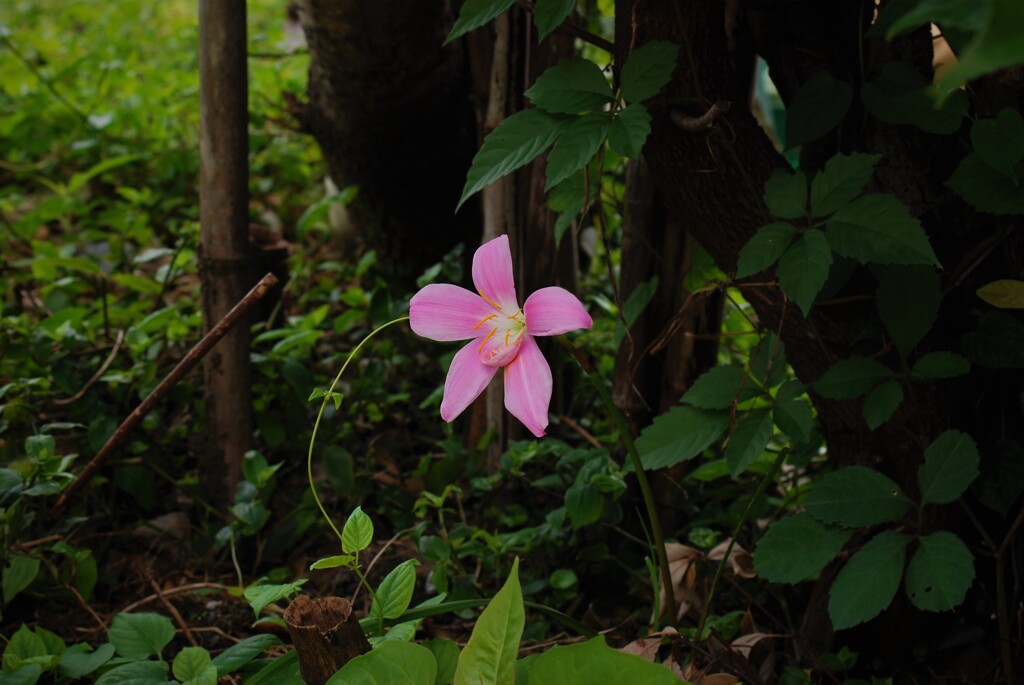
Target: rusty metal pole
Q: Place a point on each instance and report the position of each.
(224, 241)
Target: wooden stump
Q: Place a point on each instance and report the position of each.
(325, 634)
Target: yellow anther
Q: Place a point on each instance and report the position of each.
(489, 300)
(516, 315)
(484, 341)
(481, 321)
(506, 337)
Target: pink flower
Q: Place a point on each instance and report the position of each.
(502, 332)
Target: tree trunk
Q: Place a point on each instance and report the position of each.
(224, 243)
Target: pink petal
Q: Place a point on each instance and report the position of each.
(553, 311)
(467, 378)
(528, 387)
(492, 274)
(447, 312)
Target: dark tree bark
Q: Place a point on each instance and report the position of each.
(326, 636)
(224, 243)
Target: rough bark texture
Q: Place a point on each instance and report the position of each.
(389, 107)
(325, 634)
(224, 244)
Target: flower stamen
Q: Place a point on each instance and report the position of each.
(489, 300)
(516, 315)
(486, 318)
(486, 338)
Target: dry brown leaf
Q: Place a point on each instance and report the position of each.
(646, 648)
(744, 643)
(740, 560)
(717, 679)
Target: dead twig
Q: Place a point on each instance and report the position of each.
(173, 591)
(194, 356)
(175, 614)
(704, 121)
(96, 376)
(584, 433)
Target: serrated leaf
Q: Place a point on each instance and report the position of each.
(238, 655)
(18, 575)
(997, 45)
(717, 387)
(882, 402)
(785, 193)
(259, 596)
(794, 418)
(940, 572)
(572, 86)
(817, 108)
(595, 662)
(768, 360)
(797, 547)
(517, 141)
(476, 13)
(901, 95)
(140, 636)
(950, 466)
(908, 301)
(842, 180)
(629, 131)
(395, 591)
(748, 440)
(851, 378)
(879, 229)
(764, 248)
(576, 146)
(357, 533)
(869, 580)
(1000, 142)
(679, 434)
(647, 69)
(803, 268)
(332, 562)
(985, 188)
(192, 664)
(394, 662)
(1004, 294)
(940, 365)
(490, 654)
(549, 14)
(857, 496)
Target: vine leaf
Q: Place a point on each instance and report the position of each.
(879, 229)
(748, 440)
(950, 466)
(764, 248)
(629, 131)
(842, 179)
(817, 108)
(576, 146)
(785, 193)
(797, 547)
(851, 378)
(679, 434)
(940, 364)
(572, 86)
(857, 496)
(719, 386)
(647, 69)
(476, 13)
(940, 572)
(869, 580)
(803, 268)
(549, 14)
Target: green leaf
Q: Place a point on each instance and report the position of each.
(28, 674)
(576, 146)
(869, 580)
(940, 572)
(797, 547)
(997, 45)
(490, 654)
(857, 496)
(394, 662)
(476, 13)
(80, 664)
(629, 131)
(817, 108)
(395, 591)
(879, 228)
(446, 654)
(768, 360)
(882, 402)
(748, 440)
(794, 419)
(136, 673)
(517, 141)
(647, 69)
(997, 341)
(940, 365)
(1002, 480)
(785, 193)
(238, 655)
(549, 14)
(803, 268)
(986, 188)
(284, 670)
(357, 533)
(22, 646)
(572, 86)
(967, 15)
(717, 387)
(595, 662)
(332, 562)
(765, 248)
(584, 504)
(259, 596)
(1000, 142)
(950, 466)
(18, 575)
(79, 180)
(140, 636)
(901, 95)
(842, 179)
(192, 666)
(908, 301)
(679, 434)
(1004, 294)
(634, 306)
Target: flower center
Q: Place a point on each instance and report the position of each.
(504, 335)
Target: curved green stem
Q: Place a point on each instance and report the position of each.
(641, 476)
(320, 415)
(762, 486)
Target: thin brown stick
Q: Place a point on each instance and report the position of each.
(189, 361)
(173, 591)
(175, 614)
(96, 376)
(85, 605)
(701, 123)
(584, 433)
(40, 541)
